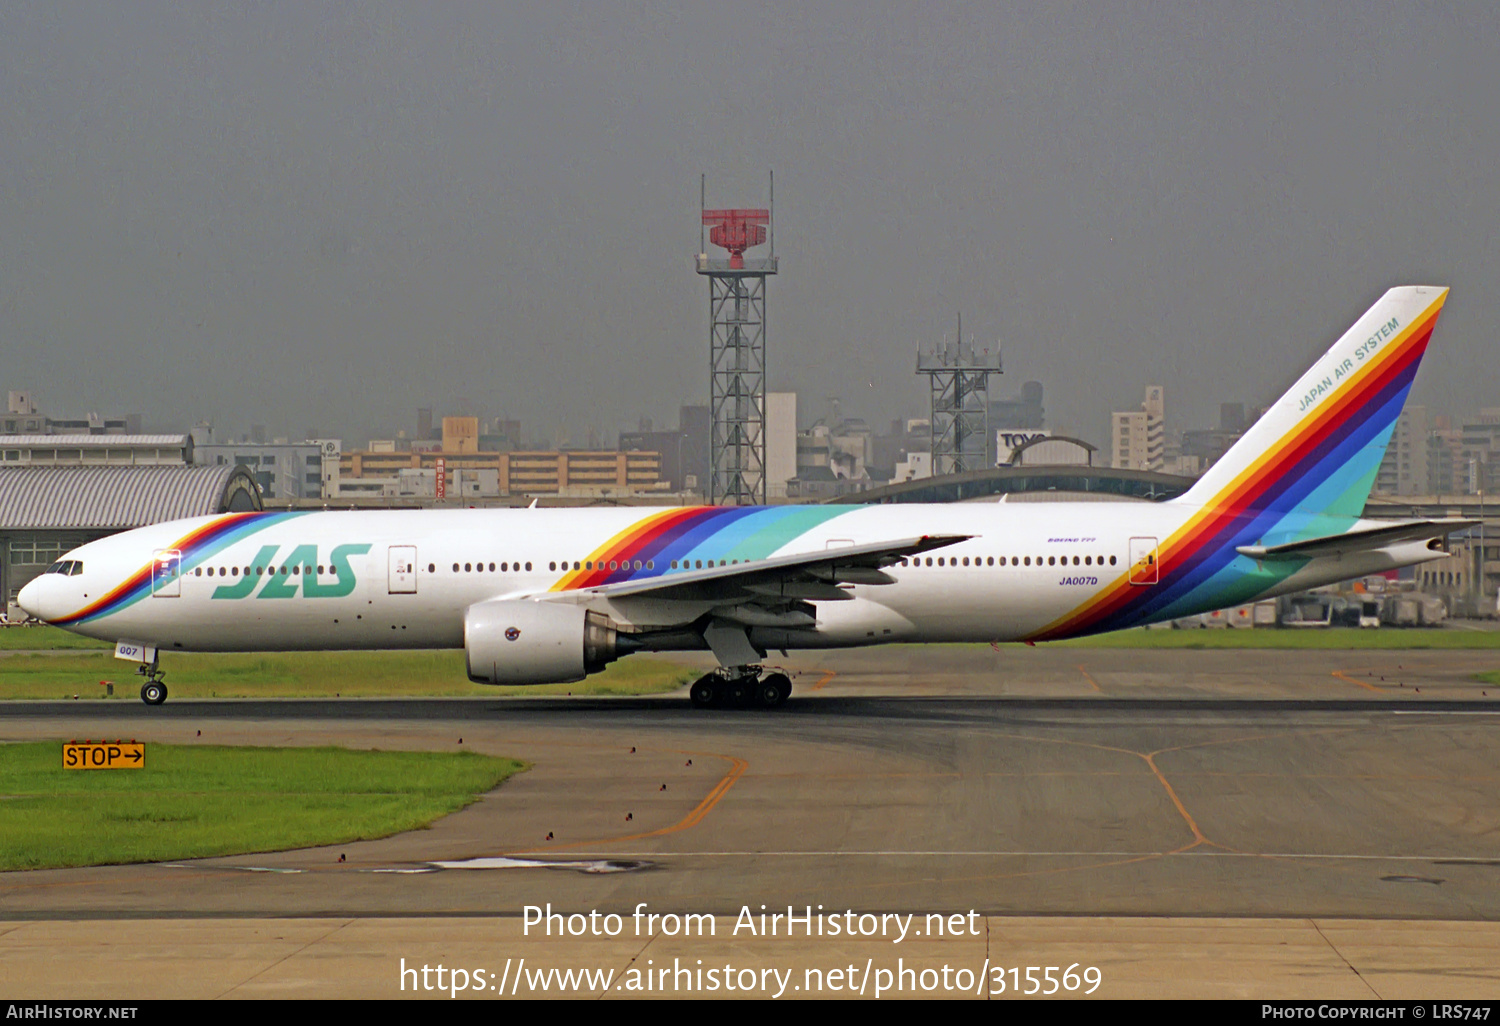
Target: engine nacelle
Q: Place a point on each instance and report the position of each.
(517, 641)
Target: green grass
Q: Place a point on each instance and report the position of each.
(307, 675)
(196, 801)
(41, 637)
(1300, 638)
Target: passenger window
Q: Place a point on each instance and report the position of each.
(528, 567)
(1028, 560)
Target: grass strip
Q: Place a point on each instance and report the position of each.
(307, 675)
(194, 801)
(42, 637)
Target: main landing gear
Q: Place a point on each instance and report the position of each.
(741, 687)
(153, 692)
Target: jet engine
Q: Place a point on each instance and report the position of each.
(517, 641)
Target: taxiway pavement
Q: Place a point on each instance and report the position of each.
(1230, 786)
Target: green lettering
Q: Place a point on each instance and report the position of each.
(338, 564)
(245, 585)
(284, 585)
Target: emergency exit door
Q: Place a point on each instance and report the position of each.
(403, 570)
(166, 573)
(1143, 569)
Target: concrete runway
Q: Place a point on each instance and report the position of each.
(1235, 787)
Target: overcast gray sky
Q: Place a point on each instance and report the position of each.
(325, 216)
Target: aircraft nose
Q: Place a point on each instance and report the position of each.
(30, 598)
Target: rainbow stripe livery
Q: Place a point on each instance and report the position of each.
(1304, 470)
(679, 538)
(196, 546)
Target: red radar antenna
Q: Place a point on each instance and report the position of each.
(737, 231)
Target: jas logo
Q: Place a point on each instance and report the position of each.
(299, 570)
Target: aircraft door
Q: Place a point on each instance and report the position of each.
(403, 570)
(166, 573)
(1143, 569)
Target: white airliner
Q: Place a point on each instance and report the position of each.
(538, 596)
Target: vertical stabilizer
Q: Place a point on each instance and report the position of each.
(1316, 451)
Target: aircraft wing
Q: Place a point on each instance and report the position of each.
(804, 575)
(1360, 539)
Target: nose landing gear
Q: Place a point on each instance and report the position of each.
(153, 692)
(740, 687)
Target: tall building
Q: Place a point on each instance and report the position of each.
(283, 470)
(1444, 459)
(781, 442)
(1138, 437)
(1403, 470)
(684, 452)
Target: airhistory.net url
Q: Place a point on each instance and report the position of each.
(516, 979)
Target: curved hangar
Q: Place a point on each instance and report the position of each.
(46, 511)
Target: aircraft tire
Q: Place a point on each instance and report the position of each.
(767, 694)
(783, 685)
(153, 692)
(703, 693)
(738, 693)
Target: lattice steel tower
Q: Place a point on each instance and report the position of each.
(960, 377)
(737, 352)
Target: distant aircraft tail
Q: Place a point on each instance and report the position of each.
(1314, 453)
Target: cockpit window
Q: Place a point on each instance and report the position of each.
(55, 568)
(75, 568)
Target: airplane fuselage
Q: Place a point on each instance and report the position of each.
(404, 579)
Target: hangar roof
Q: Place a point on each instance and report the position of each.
(993, 482)
(95, 441)
(39, 498)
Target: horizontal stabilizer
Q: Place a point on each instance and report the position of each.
(1361, 539)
